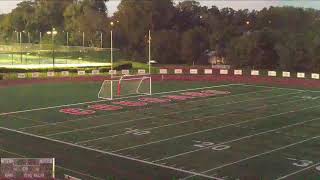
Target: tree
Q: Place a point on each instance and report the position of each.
(166, 46)
(163, 13)
(134, 18)
(79, 19)
(193, 43)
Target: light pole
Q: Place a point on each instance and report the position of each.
(20, 35)
(111, 48)
(83, 39)
(29, 40)
(53, 32)
(68, 39)
(40, 46)
(149, 41)
(101, 40)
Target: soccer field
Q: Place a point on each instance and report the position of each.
(206, 131)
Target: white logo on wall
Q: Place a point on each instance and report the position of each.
(223, 71)
(178, 71)
(193, 71)
(95, 72)
(300, 75)
(255, 73)
(65, 73)
(81, 73)
(286, 74)
(141, 71)
(125, 72)
(35, 74)
(208, 71)
(50, 74)
(163, 71)
(315, 76)
(21, 75)
(272, 73)
(238, 72)
(113, 72)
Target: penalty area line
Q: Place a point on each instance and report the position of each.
(113, 154)
(97, 101)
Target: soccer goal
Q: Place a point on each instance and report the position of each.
(125, 86)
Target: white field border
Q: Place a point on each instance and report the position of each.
(111, 154)
(214, 128)
(175, 112)
(90, 102)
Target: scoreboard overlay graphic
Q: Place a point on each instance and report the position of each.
(26, 168)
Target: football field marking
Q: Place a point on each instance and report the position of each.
(183, 122)
(97, 101)
(238, 139)
(220, 127)
(257, 155)
(61, 167)
(142, 109)
(111, 154)
(192, 109)
(306, 90)
(299, 171)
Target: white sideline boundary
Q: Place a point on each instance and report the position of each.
(258, 155)
(306, 90)
(61, 167)
(299, 171)
(176, 112)
(90, 102)
(206, 130)
(182, 122)
(238, 139)
(111, 154)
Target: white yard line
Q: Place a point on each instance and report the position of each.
(167, 105)
(306, 90)
(90, 102)
(176, 112)
(257, 155)
(182, 122)
(111, 154)
(220, 127)
(238, 139)
(297, 172)
(61, 167)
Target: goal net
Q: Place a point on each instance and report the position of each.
(125, 86)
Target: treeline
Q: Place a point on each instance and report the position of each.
(284, 38)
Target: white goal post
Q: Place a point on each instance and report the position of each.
(124, 86)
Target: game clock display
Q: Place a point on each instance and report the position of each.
(22, 168)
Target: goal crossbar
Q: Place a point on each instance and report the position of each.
(125, 86)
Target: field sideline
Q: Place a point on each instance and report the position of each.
(254, 132)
